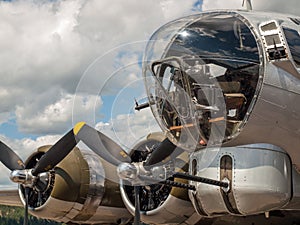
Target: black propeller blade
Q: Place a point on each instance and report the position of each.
(56, 153)
(9, 158)
(162, 152)
(101, 144)
(137, 212)
(25, 222)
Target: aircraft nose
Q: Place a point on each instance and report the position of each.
(204, 81)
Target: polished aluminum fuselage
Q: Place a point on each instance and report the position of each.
(275, 116)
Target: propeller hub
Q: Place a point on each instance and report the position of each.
(42, 182)
(24, 177)
(127, 171)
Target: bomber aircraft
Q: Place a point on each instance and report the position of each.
(224, 86)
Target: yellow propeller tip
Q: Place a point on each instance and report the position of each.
(78, 127)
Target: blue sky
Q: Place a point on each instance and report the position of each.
(10, 129)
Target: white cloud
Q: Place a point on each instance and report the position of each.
(289, 6)
(219, 4)
(56, 117)
(46, 47)
(120, 22)
(128, 129)
(4, 117)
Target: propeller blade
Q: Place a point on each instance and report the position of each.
(25, 222)
(9, 158)
(163, 150)
(137, 212)
(101, 144)
(56, 153)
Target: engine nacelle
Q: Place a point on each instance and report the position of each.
(260, 177)
(160, 204)
(77, 190)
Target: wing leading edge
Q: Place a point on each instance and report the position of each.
(10, 197)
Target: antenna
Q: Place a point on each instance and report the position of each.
(248, 4)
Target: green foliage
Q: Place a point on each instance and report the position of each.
(14, 215)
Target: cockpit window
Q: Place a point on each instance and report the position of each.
(204, 82)
(293, 40)
(227, 38)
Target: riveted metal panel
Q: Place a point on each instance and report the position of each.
(261, 180)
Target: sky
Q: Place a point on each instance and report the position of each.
(62, 62)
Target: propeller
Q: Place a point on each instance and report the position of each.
(137, 212)
(9, 158)
(110, 151)
(95, 140)
(29, 178)
(25, 222)
(55, 154)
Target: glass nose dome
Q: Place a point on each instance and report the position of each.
(201, 74)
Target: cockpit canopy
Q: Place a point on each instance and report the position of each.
(201, 74)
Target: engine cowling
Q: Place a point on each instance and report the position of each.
(160, 204)
(77, 191)
(260, 178)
